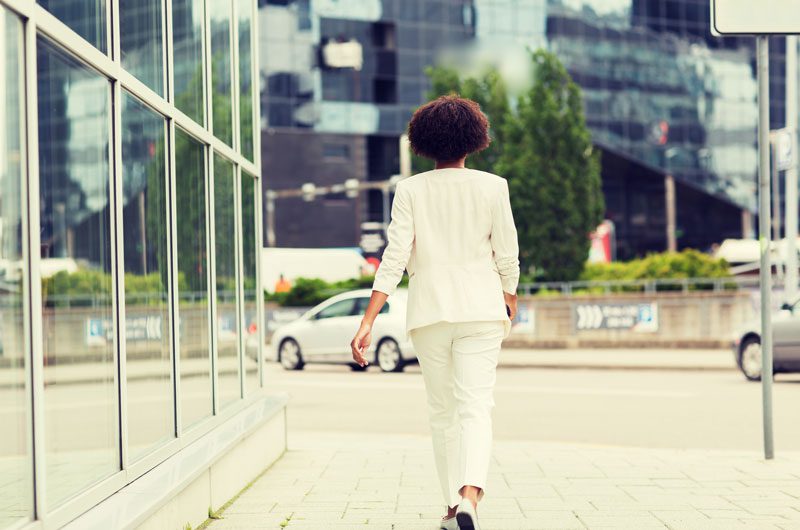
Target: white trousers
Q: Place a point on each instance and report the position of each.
(459, 361)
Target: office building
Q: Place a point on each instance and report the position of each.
(672, 108)
(130, 204)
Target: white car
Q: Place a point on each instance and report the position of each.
(785, 343)
(323, 334)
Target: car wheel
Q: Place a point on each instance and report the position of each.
(289, 355)
(389, 357)
(750, 358)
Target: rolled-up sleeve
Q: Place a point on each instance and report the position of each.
(505, 248)
(400, 239)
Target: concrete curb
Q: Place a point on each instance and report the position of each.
(643, 367)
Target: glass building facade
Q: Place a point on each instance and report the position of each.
(659, 89)
(130, 223)
(660, 94)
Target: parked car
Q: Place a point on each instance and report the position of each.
(323, 334)
(785, 343)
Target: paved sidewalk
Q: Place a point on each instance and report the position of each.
(329, 481)
(619, 359)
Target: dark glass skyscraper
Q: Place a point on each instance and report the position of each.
(664, 100)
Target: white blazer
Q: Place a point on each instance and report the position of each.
(454, 231)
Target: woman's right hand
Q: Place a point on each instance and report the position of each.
(511, 302)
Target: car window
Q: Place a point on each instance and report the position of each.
(363, 302)
(342, 308)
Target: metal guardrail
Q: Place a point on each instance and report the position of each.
(643, 286)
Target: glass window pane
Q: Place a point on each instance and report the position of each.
(220, 13)
(245, 8)
(249, 249)
(144, 227)
(80, 420)
(142, 41)
(15, 461)
(187, 57)
(225, 243)
(193, 287)
(87, 18)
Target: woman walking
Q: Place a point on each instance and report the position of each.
(453, 230)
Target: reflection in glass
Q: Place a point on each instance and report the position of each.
(87, 18)
(681, 107)
(16, 470)
(220, 14)
(249, 249)
(144, 227)
(142, 42)
(187, 56)
(225, 243)
(193, 302)
(245, 78)
(78, 331)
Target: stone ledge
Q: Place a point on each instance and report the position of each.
(209, 471)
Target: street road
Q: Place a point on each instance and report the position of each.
(679, 409)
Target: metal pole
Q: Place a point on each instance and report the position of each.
(790, 280)
(776, 203)
(764, 239)
(270, 207)
(669, 188)
(776, 194)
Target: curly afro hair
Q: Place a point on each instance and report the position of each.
(448, 129)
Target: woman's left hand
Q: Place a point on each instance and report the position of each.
(360, 344)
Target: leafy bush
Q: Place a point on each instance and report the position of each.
(689, 263)
(85, 287)
(311, 291)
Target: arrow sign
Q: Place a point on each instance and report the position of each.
(637, 317)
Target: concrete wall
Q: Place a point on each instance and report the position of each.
(695, 319)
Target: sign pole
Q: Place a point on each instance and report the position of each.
(764, 219)
(790, 280)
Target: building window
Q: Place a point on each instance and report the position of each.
(221, 76)
(330, 150)
(245, 8)
(86, 18)
(77, 285)
(187, 57)
(17, 468)
(225, 289)
(115, 360)
(250, 247)
(193, 280)
(142, 41)
(148, 351)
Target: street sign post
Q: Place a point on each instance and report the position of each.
(745, 17)
(790, 278)
(765, 243)
(761, 19)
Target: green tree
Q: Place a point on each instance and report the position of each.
(543, 147)
(553, 173)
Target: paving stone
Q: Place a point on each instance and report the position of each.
(340, 481)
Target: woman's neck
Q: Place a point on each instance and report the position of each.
(451, 164)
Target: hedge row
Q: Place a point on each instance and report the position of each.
(666, 265)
